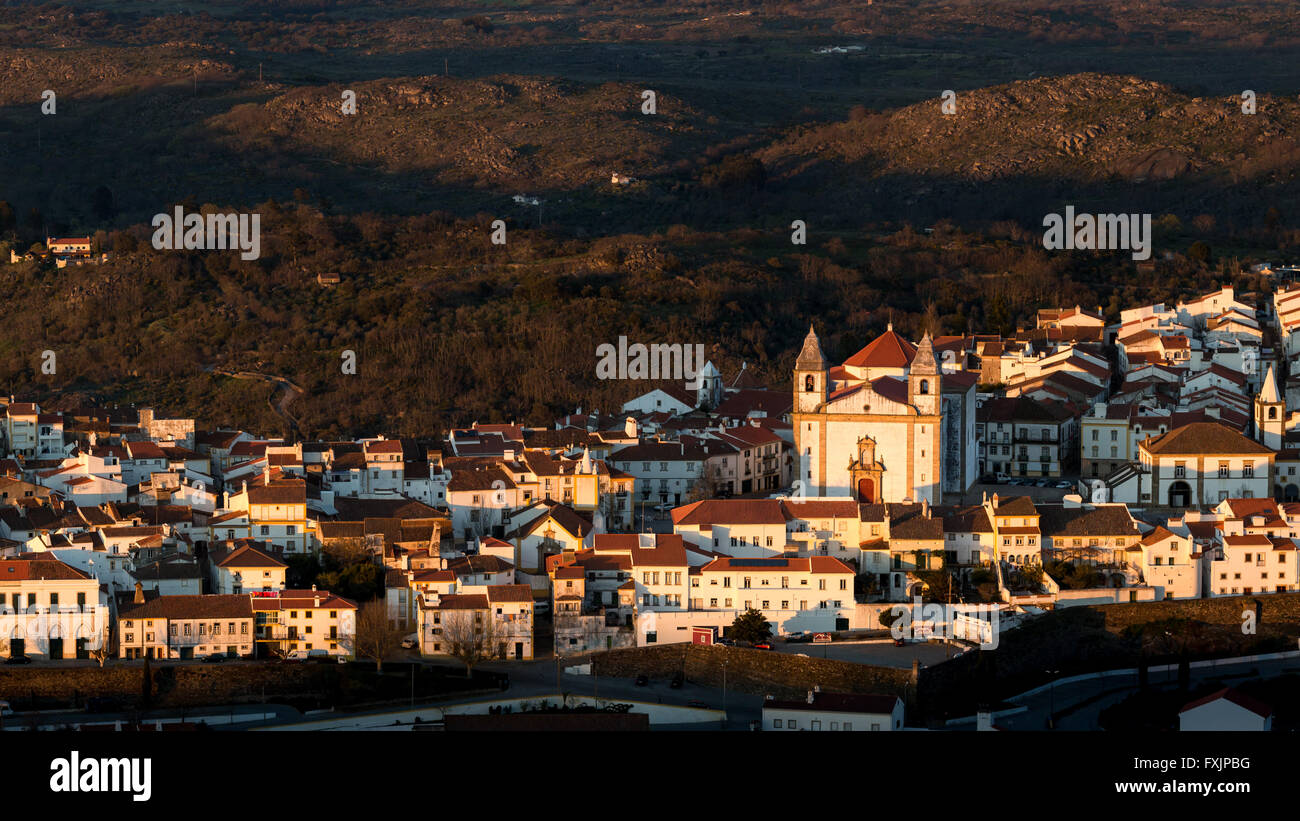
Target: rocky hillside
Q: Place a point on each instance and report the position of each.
(525, 133)
(1086, 132)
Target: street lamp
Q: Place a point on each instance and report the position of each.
(724, 692)
(1051, 699)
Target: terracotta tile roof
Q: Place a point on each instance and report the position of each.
(518, 593)
(731, 511)
(668, 551)
(246, 555)
(1259, 708)
(821, 509)
(741, 403)
(1250, 540)
(891, 388)
(889, 350)
(285, 492)
(1202, 437)
(471, 565)
(452, 601)
(776, 564)
(1016, 506)
(1060, 521)
(38, 569)
(191, 607)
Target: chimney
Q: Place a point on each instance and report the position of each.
(995, 501)
(811, 695)
(925, 508)
(266, 476)
(629, 428)
(139, 594)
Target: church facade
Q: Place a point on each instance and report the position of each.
(882, 427)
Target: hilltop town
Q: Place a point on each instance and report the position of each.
(1076, 463)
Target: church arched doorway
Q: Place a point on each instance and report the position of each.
(866, 490)
(1180, 494)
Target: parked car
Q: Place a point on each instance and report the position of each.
(1064, 485)
(18, 660)
(900, 643)
(800, 637)
(541, 607)
(5, 709)
(725, 642)
(1001, 477)
(410, 642)
(763, 645)
(103, 704)
(664, 508)
(676, 683)
(642, 680)
(214, 658)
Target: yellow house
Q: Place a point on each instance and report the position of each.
(277, 513)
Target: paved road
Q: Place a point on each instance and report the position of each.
(535, 678)
(1113, 689)
(227, 715)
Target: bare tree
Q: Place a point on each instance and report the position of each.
(376, 637)
(101, 653)
(471, 636)
(482, 524)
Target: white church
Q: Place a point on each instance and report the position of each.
(883, 426)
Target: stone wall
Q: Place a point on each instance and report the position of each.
(173, 685)
(758, 672)
(1280, 610)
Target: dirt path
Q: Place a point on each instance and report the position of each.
(289, 393)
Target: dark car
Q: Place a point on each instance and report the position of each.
(725, 642)
(676, 683)
(103, 704)
(900, 643)
(642, 680)
(18, 660)
(214, 658)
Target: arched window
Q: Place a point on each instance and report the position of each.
(809, 384)
(925, 386)
(1272, 413)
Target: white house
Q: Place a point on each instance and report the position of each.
(834, 712)
(1226, 710)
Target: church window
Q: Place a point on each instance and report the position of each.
(925, 386)
(809, 384)
(1272, 413)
